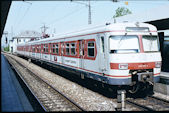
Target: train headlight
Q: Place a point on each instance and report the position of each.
(123, 66)
(158, 64)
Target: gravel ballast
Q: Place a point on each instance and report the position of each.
(87, 99)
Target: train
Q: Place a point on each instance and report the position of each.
(117, 54)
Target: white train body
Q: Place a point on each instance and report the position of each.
(113, 54)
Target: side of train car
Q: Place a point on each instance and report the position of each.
(116, 54)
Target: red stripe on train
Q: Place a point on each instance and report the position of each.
(145, 65)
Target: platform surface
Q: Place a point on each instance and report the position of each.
(164, 75)
(13, 98)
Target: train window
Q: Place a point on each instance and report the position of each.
(73, 49)
(150, 43)
(29, 48)
(67, 48)
(137, 29)
(124, 44)
(33, 48)
(102, 44)
(57, 49)
(91, 49)
(46, 48)
(53, 48)
(38, 49)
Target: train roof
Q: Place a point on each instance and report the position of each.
(96, 29)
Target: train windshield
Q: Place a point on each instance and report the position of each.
(124, 44)
(150, 43)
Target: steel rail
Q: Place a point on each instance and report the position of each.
(60, 93)
(160, 99)
(144, 108)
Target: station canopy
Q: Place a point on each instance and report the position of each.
(158, 16)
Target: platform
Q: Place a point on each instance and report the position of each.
(163, 86)
(164, 75)
(13, 98)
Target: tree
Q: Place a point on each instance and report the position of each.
(121, 11)
(6, 48)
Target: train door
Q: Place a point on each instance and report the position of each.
(41, 49)
(102, 59)
(30, 51)
(62, 52)
(81, 53)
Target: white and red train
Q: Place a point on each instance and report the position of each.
(123, 54)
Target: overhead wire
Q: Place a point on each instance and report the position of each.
(19, 24)
(66, 15)
(16, 22)
(69, 14)
(66, 22)
(55, 20)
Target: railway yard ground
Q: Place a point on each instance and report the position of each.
(57, 93)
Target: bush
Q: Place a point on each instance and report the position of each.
(6, 49)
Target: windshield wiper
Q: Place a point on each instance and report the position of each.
(122, 38)
(151, 41)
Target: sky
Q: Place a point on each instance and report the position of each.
(63, 16)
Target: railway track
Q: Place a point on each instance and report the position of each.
(150, 103)
(51, 103)
(50, 98)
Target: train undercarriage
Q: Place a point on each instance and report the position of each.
(142, 81)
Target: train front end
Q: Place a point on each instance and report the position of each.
(135, 59)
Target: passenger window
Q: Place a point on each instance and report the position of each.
(33, 49)
(67, 49)
(29, 49)
(102, 44)
(46, 48)
(53, 48)
(38, 49)
(73, 50)
(91, 49)
(57, 49)
(62, 48)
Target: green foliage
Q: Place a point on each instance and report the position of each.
(121, 11)
(6, 49)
